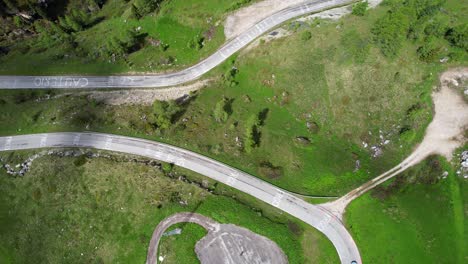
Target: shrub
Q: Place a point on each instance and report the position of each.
(122, 45)
(50, 33)
(435, 28)
(270, 171)
(390, 31)
(458, 36)
(75, 21)
(166, 167)
(145, 7)
(18, 22)
(429, 50)
(80, 161)
(230, 75)
(220, 112)
(306, 35)
(196, 43)
(405, 19)
(25, 96)
(164, 113)
(360, 9)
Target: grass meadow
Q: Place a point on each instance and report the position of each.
(413, 221)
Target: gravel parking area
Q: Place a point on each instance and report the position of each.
(225, 243)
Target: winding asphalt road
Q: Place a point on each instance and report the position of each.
(321, 219)
(186, 75)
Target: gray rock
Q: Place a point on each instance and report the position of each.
(303, 140)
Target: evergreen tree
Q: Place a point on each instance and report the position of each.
(252, 134)
(11, 5)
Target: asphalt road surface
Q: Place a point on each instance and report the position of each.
(186, 75)
(315, 216)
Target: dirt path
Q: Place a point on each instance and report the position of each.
(444, 134)
(246, 17)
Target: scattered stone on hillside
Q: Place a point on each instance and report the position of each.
(464, 159)
(23, 167)
(303, 140)
(376, 151)
(357, 165)
(463, 170)
(154, 42)
(205, 184)
(313, 127)
(444, 175)
(173, 232)
(209, 34)
(444, 60)
(238, 142)
(247, 98)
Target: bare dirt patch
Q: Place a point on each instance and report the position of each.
(248, 16)
(337, 13)
(446, 131)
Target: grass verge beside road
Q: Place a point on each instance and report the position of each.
(174, 27)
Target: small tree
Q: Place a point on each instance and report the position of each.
(196, 42)
(230, 75)
(429, 50)
(252, 134)
(306, 35)
(11, 5)
(165, 113)
(120, 46)
(360, 9)
(73, 24)
(458, 36)
(134, 13)
(390, 31)
(145, 7)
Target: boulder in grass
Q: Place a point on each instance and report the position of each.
(303, 140)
